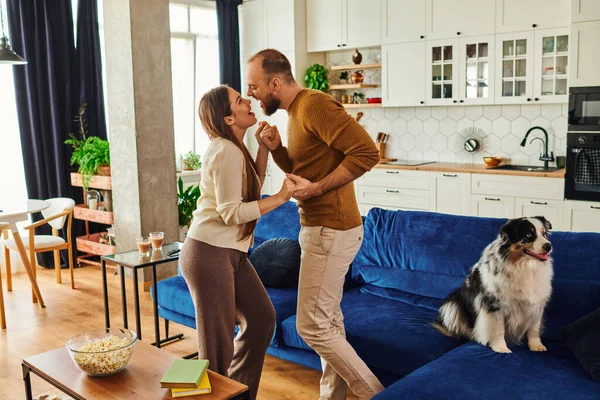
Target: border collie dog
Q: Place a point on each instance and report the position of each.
(503, 297)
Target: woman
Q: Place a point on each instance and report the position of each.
(214, 260)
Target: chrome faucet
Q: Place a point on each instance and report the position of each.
(545, 157)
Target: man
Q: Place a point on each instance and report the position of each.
(327, 150)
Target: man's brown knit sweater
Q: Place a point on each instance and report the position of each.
(321, 136)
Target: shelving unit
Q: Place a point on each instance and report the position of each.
(353, 86)
(355, 67)
(90, 242)
(363, 105)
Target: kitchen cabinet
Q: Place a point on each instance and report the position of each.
(402, 21)
(552, 210)
(449, 19)
(551, 66)
(393, 188)
(582, 216)
(442, 71)
(338, 24)
(492, 206)
(518, 186)
(585, 10)
(451, 193)
(403, 74)
(585, 70)
(520, 15)
(476, 70)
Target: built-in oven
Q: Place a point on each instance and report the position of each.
(582, 180)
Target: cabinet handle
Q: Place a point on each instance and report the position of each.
(422, 102)
(537, 99)
(450, 176)
(422, 36)
(492, 199)
(595, 208)
(534, 26)
(454, 101)
(392, 172)
(344, 44)
(458, 33)
(541, 203)
(462, 101)
(392, 191)
(528, 99)
(339, 45)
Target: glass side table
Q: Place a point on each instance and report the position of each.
(134, 261)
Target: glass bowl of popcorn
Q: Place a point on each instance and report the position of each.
(102, 352)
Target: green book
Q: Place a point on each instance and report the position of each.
(184, 374)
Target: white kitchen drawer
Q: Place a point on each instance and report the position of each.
(394, 197)
(492, 206)
(518, 186)
(396, 178)
(451, 192)
(582, 216)
(552, 210)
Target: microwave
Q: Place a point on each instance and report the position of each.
(584, 109)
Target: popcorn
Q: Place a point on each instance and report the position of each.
(107, 355)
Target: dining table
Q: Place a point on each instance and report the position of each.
(14, 211)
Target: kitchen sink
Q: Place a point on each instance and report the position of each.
(530, 168)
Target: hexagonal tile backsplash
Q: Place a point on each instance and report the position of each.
(432, 133)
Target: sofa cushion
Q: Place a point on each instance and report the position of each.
(174, 296)
(583, 338)
(424, 253)
(387, 334)
(475, 372)
(277, 262)
(283, 222)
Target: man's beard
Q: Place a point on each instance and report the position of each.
(271, 105)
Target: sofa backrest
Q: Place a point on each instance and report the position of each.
(283, 222)
(430, 254)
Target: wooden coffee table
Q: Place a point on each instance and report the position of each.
(139, 380)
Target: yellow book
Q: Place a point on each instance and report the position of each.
(202, 388)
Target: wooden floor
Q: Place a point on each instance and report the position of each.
(32, 330)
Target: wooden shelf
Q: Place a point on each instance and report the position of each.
(354, 67)
(90, 244)
(352, 86)
(98, 181)
(365, 105)
(102, 217)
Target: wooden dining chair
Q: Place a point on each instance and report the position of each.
(56, 215)
(4, 228)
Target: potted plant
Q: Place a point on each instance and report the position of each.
(317, 78)
(344, 77)
(186, 204)
(191, 162)
(91, 153)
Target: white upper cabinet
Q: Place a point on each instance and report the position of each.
(456, 18)
(476, 70)
(551, 66)
(522, 15)
(279, 29)
(585, 10)
(402, 21)
(362, 25)
(403, 74)
(585, 69)
(514, 68)
(324, 25)
(442, 71)
(252, 33)
(338, 24)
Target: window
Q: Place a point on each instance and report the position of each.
(195, 69)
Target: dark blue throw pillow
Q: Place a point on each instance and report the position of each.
(583, 338)
(277, 262)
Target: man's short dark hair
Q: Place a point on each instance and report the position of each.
(274, 63)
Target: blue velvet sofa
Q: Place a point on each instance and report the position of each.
(408, 263)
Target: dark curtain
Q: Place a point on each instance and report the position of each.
(46, 92)
(89, 63)
(229, 42)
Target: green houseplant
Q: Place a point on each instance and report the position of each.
(317, 78)
(91, 153)
(186, 202)
(191, 162)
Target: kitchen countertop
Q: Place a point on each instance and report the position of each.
(472, 168)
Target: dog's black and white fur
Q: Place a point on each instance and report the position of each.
(503, 297)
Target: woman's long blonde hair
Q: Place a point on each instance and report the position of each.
(214, 107)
